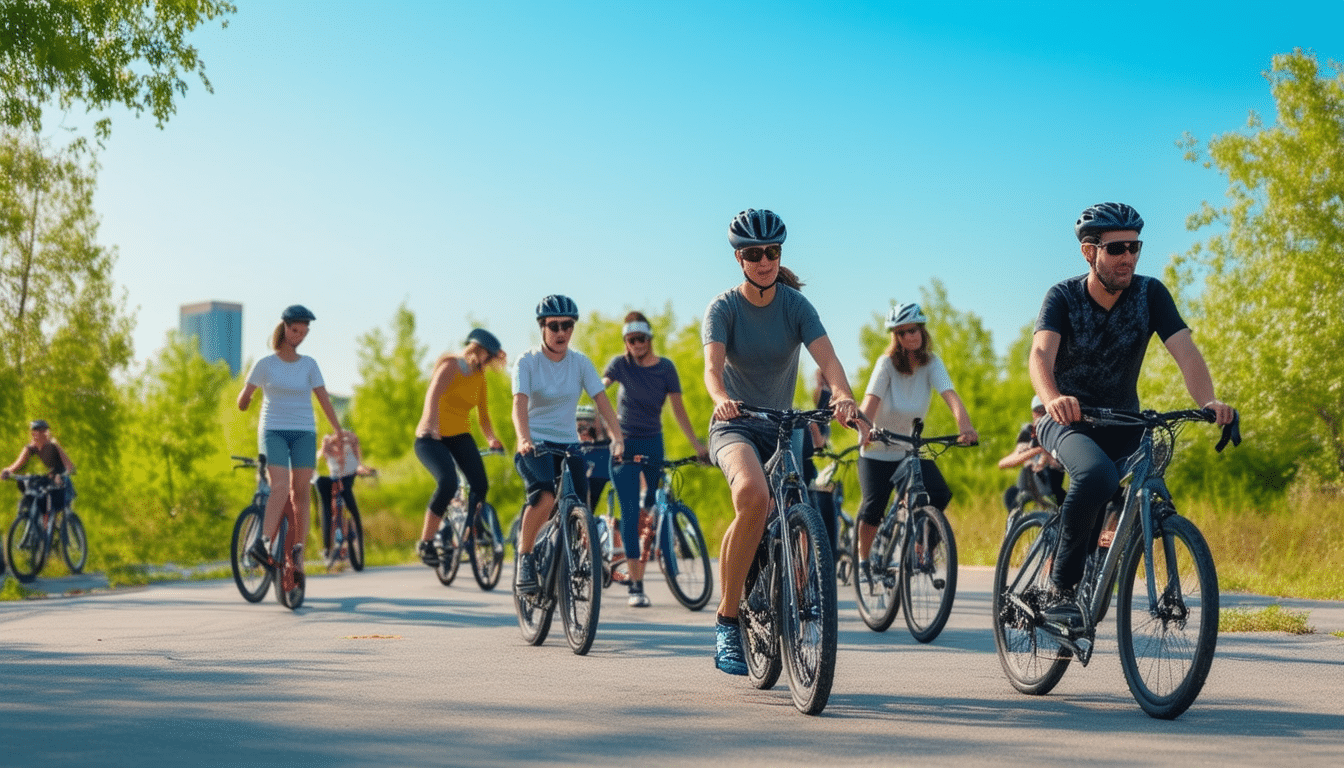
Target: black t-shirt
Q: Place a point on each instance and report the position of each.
(1101, 351)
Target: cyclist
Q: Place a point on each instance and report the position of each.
(345, 462)
(287, 430)
(443, 440)
(1039, 469)
(52, 455)
(547, 384)
(647, 381)
(597, 452)
(1087, 350)
(752, 334)
(904, 377)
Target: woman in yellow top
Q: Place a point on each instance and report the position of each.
(443, 441)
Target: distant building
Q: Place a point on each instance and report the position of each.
(218, 327)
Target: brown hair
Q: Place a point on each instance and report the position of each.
(787, 277)
(636, 317)
(277, 336)
(907, 362)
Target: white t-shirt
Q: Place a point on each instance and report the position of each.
(553, 391)
(288, 388)
(902, 400)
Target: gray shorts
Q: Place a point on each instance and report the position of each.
(763, 436)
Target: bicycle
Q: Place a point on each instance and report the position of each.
(569, 566)
(913, 557)
(788, 607)
(1167, 597)
(828, 482)
(251, 576)
(475, 536)
(1038, 497)
(671, 535)
(36, 530)
(344, 537)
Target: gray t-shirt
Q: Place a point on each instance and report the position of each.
(761, 343)
(553, 390)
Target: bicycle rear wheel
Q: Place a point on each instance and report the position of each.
(879, 595)
(758, 619)
(354, 539)
(928, 573)
(251, 577)
(450, 550)
(1166, 649)
(685, 558)
(74, 542)
(487, 551)
(807, 611)
(1033, 660)
(580, 582)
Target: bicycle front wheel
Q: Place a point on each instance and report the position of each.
(26, 547)
(251, 577)
(450, 550)
(535, 611)
(487, 551)
(758, 619)
(877, 588)
(685, 558)
(1033, 660)
(74, 542)
(807, 611)
(354, 539)
(1166, 648)
(928, 573)
(580, 582)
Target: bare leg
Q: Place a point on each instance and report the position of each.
(275, 505)
(534, 516)
(751, 504)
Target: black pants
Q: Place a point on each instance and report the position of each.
(324, 486)
(876, 485)
(442, 458)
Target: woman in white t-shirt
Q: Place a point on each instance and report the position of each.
(287, 431)
(903, 378)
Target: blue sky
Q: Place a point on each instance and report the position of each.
(469, 158)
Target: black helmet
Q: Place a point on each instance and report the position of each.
(486, 339)
(297, 313)
(1106, 217)
(556, 305)
(753, 227)
(39, 424)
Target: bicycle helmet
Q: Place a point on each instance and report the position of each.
(297, 313)
(904, 314)
(556, 305)
(486, 339)
(1106, 217)
(585, 412)
(753, 227)
(39, 424)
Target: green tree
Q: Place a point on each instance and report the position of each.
(393, 381)
(1273, 276)
(131, 53)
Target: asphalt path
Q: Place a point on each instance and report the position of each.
(388, 667)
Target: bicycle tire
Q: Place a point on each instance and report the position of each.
(758, 619)
(1166, 654)
(1032, 659)
(879, 598)
(74, 542)
(251, 577)
(928, 573)
(278, 552)
(333, 549)
(534, 611)
(487, 552)
(808, 611)
(26, 547)
(685, 559)
(354, 539)
(579, 586)
(450, 550)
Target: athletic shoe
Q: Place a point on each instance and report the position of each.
(638, 600)
(1061, 607)
(728, 655)
(428, 554)
(525, 579)
(260, 551)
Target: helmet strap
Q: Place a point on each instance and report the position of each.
(759, 287)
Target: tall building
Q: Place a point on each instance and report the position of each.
(218, 327)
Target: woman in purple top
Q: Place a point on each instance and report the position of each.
(647, 381)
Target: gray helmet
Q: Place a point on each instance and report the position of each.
(1107, 217)
(587, 412)
(753, 227)
(39, 424)
(486, 339)
(297, 313)
(904, 314)
(556, 305)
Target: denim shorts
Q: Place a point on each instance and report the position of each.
(293, 448)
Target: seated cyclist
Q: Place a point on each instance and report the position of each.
(1039, 470)
(52, 455)
(345, 462)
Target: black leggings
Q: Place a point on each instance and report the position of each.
(875, 482)
(324, 492)
(442, 458)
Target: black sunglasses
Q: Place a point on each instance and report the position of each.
(755, 254)
(637, 338)
(557, 326)
(1120, 246)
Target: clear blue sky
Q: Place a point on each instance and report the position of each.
(470, 158)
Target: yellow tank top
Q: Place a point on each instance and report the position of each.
(464, 392)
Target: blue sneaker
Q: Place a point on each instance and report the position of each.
(728, 655)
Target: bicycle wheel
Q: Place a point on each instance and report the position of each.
(278, 552)
(807, 611)
(1033, 660)
(758, 617)
(450, 550)
(26, 547)
(354, 539)
(534, 611)
(487, 551)
(928, 573)
(74, 542)
(333, 549)
(685, 558)
(252, 577)
(580, 582)
(1166, 650)
(879, 596)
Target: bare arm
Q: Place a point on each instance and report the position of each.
(1044, 350)
(324, 400)
(487, 426)
(1195, 371)
(603, 404)
(17, 465)
(438, 382)
(1020, 455)
(65, 457)
(245, 397)
(724, 407)
(842, 401)
(964, 426)
(520, 425)
(684, 421)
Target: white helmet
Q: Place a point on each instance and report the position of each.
(904, 314)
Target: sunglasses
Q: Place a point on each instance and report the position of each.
(636, 338)
(908, 331)
(1120, 246)
(557, 326)
(756, 253)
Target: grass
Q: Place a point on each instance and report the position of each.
(1274, 618)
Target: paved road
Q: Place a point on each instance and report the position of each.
(387, 667)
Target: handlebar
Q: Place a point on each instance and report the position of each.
(916, 437)
(825, 453)
(816, 415)
(665, 464)
(1119, 417)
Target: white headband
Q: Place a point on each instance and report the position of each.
(636, 327)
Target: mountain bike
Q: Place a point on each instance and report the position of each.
(36, 530)
(569, 565)
(1038, 497)
(477, 537)
(788, 611)
(253, 577)
(671, 535)
(828, 482)
(913, 558)
(1167, 597)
